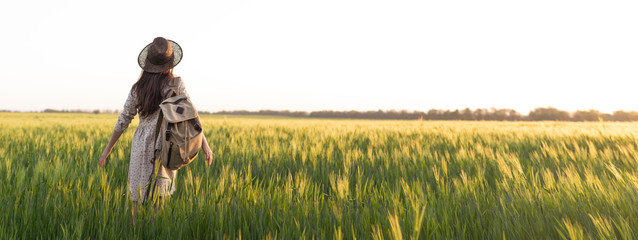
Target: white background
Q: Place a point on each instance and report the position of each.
(332, 55)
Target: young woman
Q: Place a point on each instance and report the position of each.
(157, 60)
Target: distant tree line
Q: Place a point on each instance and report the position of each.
(96, 111)
(480, 114)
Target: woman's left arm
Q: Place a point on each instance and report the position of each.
(207, 151)
(181, 90)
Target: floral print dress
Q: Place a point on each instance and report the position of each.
(142, 148)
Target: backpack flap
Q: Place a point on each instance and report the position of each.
(178, 109)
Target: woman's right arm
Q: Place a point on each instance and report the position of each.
(114, 137)
(128, 113)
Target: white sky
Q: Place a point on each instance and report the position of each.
(328, 55)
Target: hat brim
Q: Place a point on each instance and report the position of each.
(144, 63)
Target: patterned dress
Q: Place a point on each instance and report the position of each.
(142, 150)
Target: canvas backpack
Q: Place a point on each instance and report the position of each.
(179, 131)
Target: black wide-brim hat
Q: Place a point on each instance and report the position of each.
(160, 55)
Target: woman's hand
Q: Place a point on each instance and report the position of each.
(103, 158)
(207, 151)
(209, 154)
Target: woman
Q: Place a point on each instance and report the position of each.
(157, 61)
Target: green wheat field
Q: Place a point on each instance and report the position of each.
(285, 178)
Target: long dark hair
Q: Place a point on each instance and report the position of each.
(149, 91)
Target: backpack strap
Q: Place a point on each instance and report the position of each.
(150, 188)
(158, 126)
(169, 93)
(177, 81)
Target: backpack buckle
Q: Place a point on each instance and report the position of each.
(196, 125)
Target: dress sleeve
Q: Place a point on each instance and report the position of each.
(181, 89)
(128, 113)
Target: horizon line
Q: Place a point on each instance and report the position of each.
(310, 111)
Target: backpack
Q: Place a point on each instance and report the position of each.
(179, 131)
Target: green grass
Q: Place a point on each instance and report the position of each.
(325, 179)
